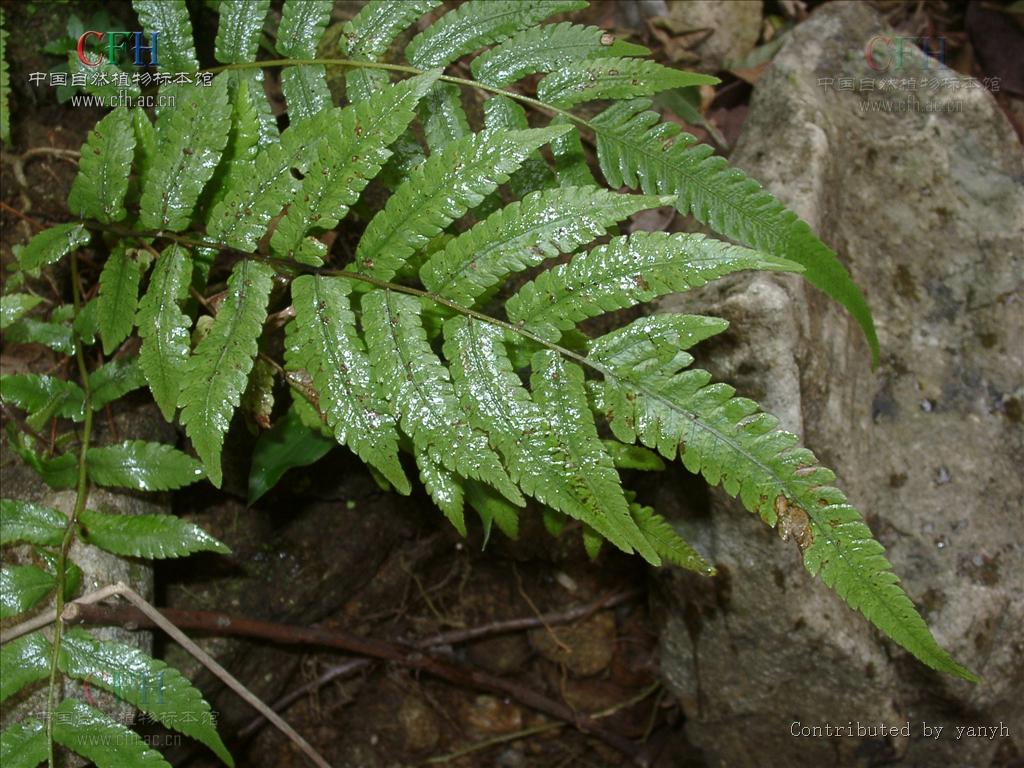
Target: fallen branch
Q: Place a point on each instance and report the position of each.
(411, 657)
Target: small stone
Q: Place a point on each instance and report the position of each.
(501, 654)
(489, 716)
(585, 648)
(419, 723)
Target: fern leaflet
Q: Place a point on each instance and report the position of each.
(616, 78)
(102, 181)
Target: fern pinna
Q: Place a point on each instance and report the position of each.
(411, 342)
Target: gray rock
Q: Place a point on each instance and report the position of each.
(733, 26)
(926, 208)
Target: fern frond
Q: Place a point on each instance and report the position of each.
(444, 488)
(503, 113)
(170, 19)
(190, 139)
(547, 49)
(353, 152)
(418, 386)
(23, 745)
(559, 391)
(492, 508)
(217, 372)
(439, 191)
(523, 234)
(238, 33)
(97, 736)
(323, 341)
(51, 245)
(119, 295)
(252, 199)
(443, 116)
(615, 78)
(627, 271)
(533, 436)
(730, 442)
(571, 168)
(164, 328)
(305, 87)
(102, 181)
(667, 543)
(635, 149)
(369, 34)
(477, 23)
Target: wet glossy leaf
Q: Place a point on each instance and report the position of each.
(627, 271)
(615, 78)
(114, 380)
(32, 523)
(96, 736)
(102, 181)
(149, 536)
(21, 587)
(53, 244)
(39, 393)
(119, 295)
(667, 543)
(440, 191)
(190, 138)
(23, 745)
(14, 306)
(322, 340)
(23, 661)
(142, 466)
(170, 19)
(218, 371)
(522, 235)
(547, 49)
(164, 328)
(238, 33)
(160, 691)
(477, 23)
(302, 26)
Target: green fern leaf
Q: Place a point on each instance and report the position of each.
(477, 23)
(51, 245)
(119, 295)
(21, 587)
(145, 142)
(238, 34)
(444, 488)
(503, 113)
(667, 542)
(571, 168)
(142, 466)
(102, 181)
(532, 437)
(729, 441)
(190, 139)
(218, 371)
(164, 328)
(443, 116)
(302, 26)
(559, 391)
(23, 745)
(170, 19)
(253, 198)
(114, 380)
(636, 150)
(547, 49)
(616, 78)
(492, 509)
(523, 234)
(354, 151)
(5, 85)
(24, 521)
(13, 306)
(42, 394)
(154, 537)
(23, 661)
(96, 736)
(414, 380)
(322, 340)
(368, 36)
(157, 689)
(440, 191)
(627, 271)
(288, 444)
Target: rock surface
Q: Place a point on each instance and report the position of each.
(724, 31)
(926, 208)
